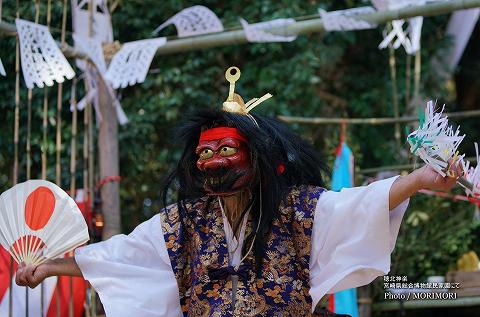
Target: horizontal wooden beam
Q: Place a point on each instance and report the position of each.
(372, 121)
(10, 29)
(402, 167)
(308, 26)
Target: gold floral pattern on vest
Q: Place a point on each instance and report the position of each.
(196, 243)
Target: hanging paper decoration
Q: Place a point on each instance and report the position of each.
(42, 60)
(91, 75)
(382, 5)
(415, 33)
(91, 47)
(2, 70)
(130, 65)
(409, 37)
(192, 21)
(435, 142)
(345, 20)
(91, 90)
(101, 25)
(121, 116)
(259, 32)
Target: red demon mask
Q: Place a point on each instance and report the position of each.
(224, 160)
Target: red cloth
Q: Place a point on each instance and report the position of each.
(220, 133)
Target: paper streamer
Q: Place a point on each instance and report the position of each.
(192, 21)
(91, 74)
(130, 65)
(121, 116)
(435, 142)
(42, 61)
(345, 20)
(409, 37)
(382, 5)
(472, 174)
(415, 32)
(257, 32)
(91, 47)
(101, 22)
(2, 69)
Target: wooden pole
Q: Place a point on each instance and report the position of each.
(417, 75)
(73, 172)
(15, 146)
(45, 111)
(393, 78)
(109, 165)
(408, 80)
(45, 144)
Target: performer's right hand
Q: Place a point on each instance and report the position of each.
(30, 275)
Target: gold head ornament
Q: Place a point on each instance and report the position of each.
(234, 102)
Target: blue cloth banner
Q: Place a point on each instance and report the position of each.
(345, 302)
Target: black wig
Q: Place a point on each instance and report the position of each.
(270, 144)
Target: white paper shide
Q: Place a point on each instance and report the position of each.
(269, 31)
(2, 69)
(91, 47)
(130, 65)
(101, 24)
(192, 21)
(346, 20)
(406, 33)
(42, 61)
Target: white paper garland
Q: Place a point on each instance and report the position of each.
(192, 21)
(42, 61)
(91, 74)
(345, 20)
(130, 65)
(408, 37)
(257, 32)
(101, 22)
(91, 47)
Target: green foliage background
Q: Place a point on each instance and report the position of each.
(347, 65)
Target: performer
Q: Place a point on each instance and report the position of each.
(253, 232)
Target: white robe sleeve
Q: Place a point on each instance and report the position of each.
(353, 236)
(132, 273)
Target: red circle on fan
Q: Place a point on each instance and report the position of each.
(28, 243)
(39, 207)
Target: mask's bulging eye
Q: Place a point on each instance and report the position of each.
(227, 151)
(206, 154)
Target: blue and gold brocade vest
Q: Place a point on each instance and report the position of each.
(197, 245)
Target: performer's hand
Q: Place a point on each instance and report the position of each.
(428, 178)
(422, 178)
(30, 275)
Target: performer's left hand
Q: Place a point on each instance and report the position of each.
(428, 178)
(423, 178)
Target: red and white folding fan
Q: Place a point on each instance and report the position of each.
(39, 221)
